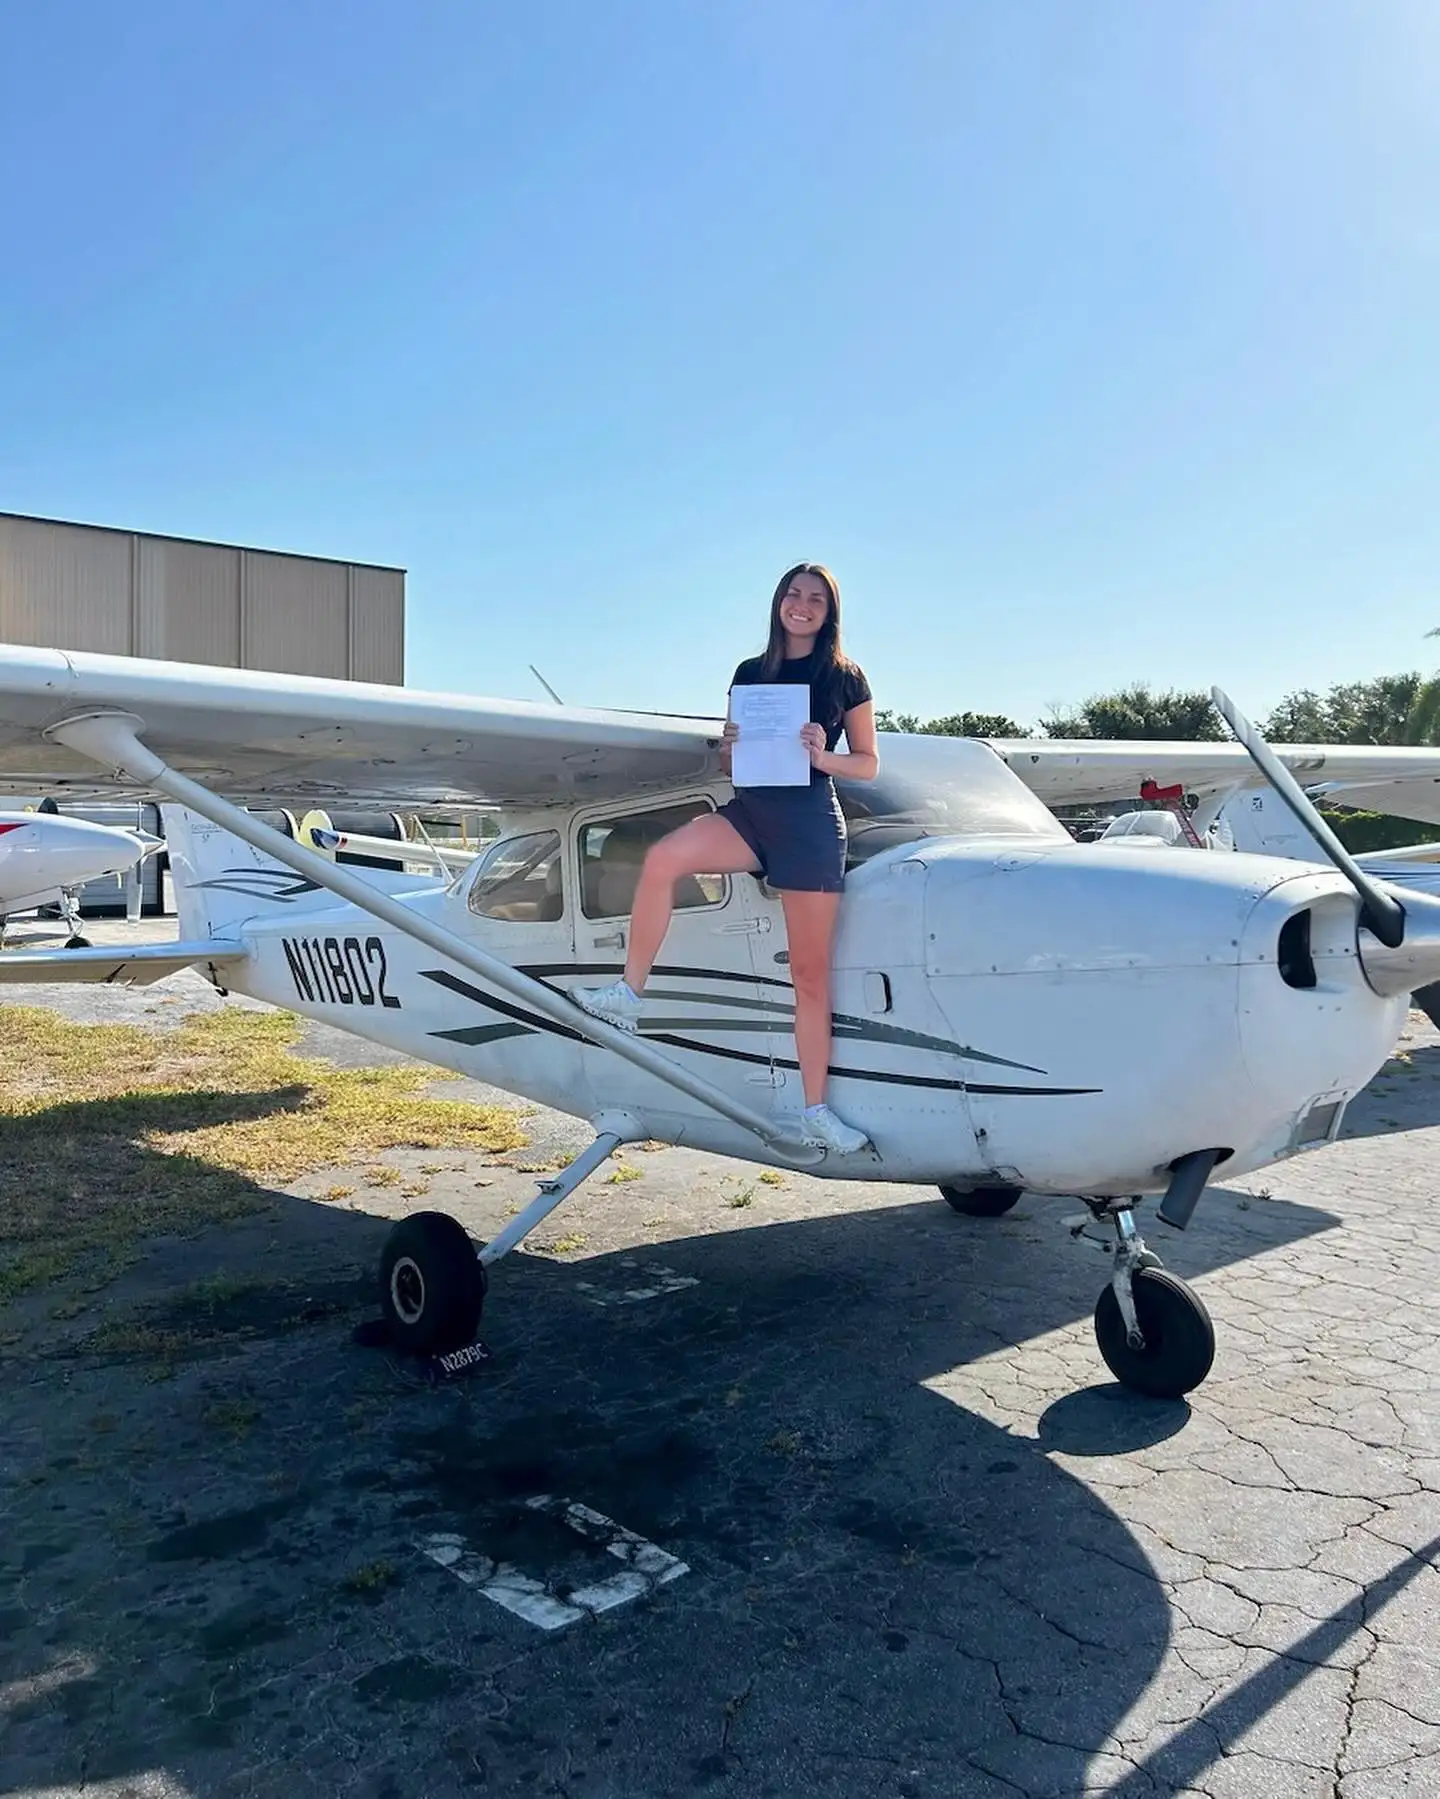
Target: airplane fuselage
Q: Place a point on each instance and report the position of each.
(1014, 1011)
(43, 856)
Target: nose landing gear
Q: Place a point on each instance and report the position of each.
(1153, 1330)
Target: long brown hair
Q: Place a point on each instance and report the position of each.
(830, 658)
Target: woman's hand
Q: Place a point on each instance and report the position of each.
(813, 737)
(727, 742)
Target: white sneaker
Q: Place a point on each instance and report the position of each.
(616, 1004)
(820, 1127)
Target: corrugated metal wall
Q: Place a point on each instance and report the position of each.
(81, 587)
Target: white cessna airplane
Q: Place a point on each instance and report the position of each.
(1012, 1010)
(1256, 819)
(46, 860)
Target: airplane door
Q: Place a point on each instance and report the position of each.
(705, 999)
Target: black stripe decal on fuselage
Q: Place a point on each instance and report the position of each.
(846, 1023)
(536, 1021)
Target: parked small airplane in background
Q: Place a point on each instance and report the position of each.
(46, 860)
(1013, 1010)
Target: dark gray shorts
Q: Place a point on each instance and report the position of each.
(797, 835)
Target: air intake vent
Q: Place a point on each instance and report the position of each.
(1297, 965)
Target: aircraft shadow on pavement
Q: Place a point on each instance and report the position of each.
(1405, 1095)
(218, 1572)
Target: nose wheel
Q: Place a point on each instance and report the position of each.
(1173, 1345)
(1152, 1330)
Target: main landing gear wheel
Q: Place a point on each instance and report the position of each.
(1179, 1344)
(981, 1202)
(432, 1286)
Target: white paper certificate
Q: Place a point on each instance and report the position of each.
(768, 752)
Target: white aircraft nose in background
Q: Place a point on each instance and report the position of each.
(43, 856)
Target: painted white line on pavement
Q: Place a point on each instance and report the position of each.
(653, 1282)
(647, 1567)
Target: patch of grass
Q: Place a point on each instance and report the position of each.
(234, 1415)
(382, 1177)
(23, 1269)
(784, 1442)
(566, 1246)
(772, 1177)
(415, 1189)
(371, 1578)
(114, 1134)
(741, 1197)
(622, 1173)
(212, 1291)
(129, 1336)
(337, 1193)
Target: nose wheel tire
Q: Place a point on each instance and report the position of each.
(981, 1202)
(1179, 1338)
(432, 1287)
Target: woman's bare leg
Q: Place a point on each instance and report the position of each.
(810, 932)
(706, 846)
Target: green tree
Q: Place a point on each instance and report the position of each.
(1140, 712)
(1423, 725)
(1385, 709)
(886, 720)
(954, 724)
(974, 724)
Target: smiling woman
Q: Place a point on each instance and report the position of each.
(792, 835)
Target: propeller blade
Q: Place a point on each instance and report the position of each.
(1383, 915)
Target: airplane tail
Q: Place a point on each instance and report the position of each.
(221, 882)
(1263, 825)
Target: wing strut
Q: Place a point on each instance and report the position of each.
(110, 738)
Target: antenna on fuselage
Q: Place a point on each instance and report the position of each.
(546, 685)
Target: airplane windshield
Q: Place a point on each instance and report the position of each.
(939, 787)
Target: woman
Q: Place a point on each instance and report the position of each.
(794, 836)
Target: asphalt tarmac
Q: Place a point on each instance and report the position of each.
(900, 1533)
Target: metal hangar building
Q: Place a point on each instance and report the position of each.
(132, 593)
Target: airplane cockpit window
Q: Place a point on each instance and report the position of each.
(519, 880)
(939, 787)
(611, 851)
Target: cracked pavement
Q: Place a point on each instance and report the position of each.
(931, 1548)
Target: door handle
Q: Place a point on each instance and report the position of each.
(616, 940)
(750, 927)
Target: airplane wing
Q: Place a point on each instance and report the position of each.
(251, 736)
(1072, 772)
(120, 967)
(1417, 799)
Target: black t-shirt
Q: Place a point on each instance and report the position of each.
(831, 697)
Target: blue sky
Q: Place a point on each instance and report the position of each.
(1088, 342)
